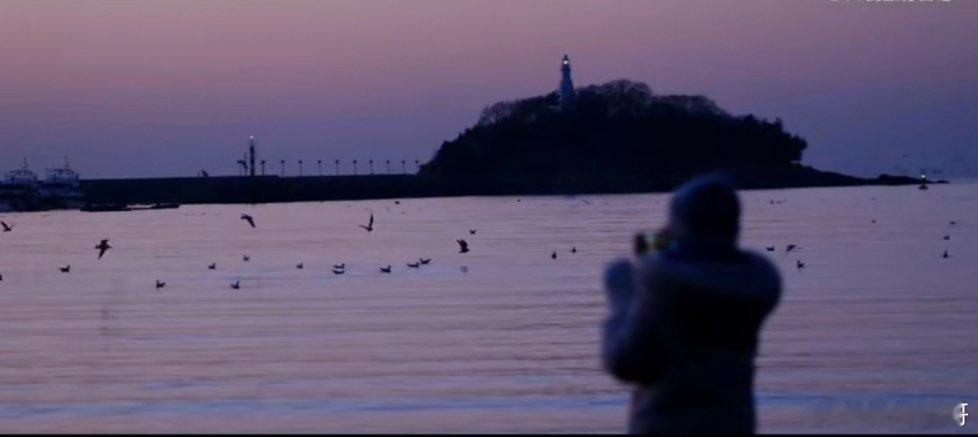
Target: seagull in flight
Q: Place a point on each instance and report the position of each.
(370, 226)
(249, 219)
(463, 246)
(102, 247)
(6, 227)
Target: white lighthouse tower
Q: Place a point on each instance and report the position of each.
(566, 90)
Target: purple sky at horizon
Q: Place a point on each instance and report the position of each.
(166, 88)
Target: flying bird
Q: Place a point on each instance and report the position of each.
(370, 225)
(65, 269)
(160, 284)
(249, 219)
(424, 260)
(463, 246)
(102, 247)
(236, 285)
(385, 269)
(6, 227)
(415, 265)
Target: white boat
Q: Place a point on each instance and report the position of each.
(61, 188)
(18, 191)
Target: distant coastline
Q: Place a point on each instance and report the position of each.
(269, 189)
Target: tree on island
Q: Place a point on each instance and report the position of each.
(617, 131)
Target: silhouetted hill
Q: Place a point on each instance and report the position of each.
(619, 136)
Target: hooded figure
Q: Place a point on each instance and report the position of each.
(684, 321)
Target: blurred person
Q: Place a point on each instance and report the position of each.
(684, 318)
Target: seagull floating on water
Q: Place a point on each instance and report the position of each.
(947, 237)
(472, 231)
(338, 271)
(790, 248)
(102, 247)
(212, 266)
(249, 219)
(65, 269)
(236, 285)
(416, 265)
(553, 255)
(339, 266)
(463, 246)
(424, 260)
(945, 255)
(160, 284)
(245, 258)
(799, 264)
(385, 269)
(299, 266)
(769, 248)
(574, 249)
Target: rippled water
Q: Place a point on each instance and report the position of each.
(878, 332)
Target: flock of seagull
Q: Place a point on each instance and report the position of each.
(338, 269)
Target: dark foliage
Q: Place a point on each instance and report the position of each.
(615, 131)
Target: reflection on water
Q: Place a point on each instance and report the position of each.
(876, 333)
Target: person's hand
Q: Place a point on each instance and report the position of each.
(662, 239)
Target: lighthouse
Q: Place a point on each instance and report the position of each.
(566, 90)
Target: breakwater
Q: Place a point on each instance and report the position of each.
(266, 189)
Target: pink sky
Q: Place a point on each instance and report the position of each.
(128, 88)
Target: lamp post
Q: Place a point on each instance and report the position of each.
(354, 167)
(282, 167)
(403, 167)
(388, 166)
(337, 162)
(319, 163)
(300, 167)
(371, 166)
(263, 167)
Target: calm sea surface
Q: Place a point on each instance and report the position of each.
(878, 332)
